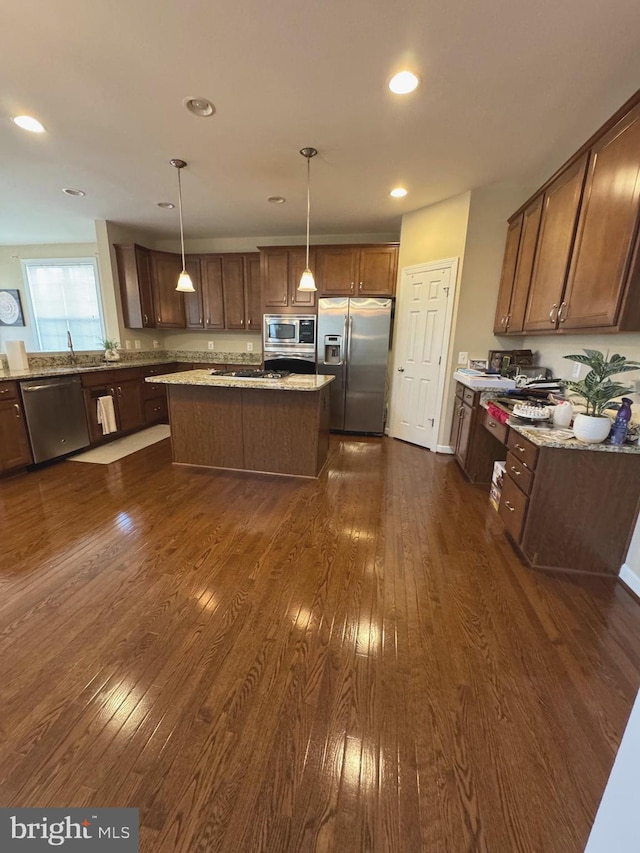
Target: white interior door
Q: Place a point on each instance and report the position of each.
(424, 317)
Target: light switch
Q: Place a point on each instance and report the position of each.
(463, 358)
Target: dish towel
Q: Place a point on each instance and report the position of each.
(106, 415)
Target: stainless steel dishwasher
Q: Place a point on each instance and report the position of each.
(55, 416)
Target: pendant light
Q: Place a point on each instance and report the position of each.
(184, 285)
(306, 281)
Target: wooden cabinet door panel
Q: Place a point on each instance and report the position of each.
(169, 304)
(513, 508)
(274, 269)
(128, 397)
(606, 228)
(193, 306)
(304, 300)
(377, 271)
(555, 240)
(134, 279)
(14, 444)
(336, 270)
(212, 292)
(233, 289)
(524, 267)
(462, 447)
(252, 293)
(508, 276)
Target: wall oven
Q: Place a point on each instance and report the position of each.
(289, 332)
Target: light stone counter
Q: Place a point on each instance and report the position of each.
(294, 382)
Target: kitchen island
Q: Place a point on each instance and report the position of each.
(274, 426)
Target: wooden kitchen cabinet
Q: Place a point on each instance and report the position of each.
(252, 292)
(519, 255)
(475, 448)
(168, 303)
(586, 263)
(560, 207)
(125, 389)
(128, 396)
(193, 302)
(553, 510)
(280, 271)
(15, 451)
(233, 292)
(212, 293)
(357, 270)
(134, 278)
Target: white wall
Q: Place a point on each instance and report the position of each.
(11, 278)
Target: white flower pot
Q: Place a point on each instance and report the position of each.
(592, 429)
(111, 355)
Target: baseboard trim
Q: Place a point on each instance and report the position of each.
(630, 578)
(444, 448)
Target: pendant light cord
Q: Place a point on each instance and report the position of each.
(308, 205)
(180, 214)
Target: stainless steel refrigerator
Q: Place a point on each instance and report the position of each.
(353, 345)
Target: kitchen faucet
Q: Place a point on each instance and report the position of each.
(72, 355)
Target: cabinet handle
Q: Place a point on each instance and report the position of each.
(492, 425)
(119, 391)
(17, 408)
(352, 283)
(563, 305)
(159, 320)
(521, 448)
(515, 471)
(508, 321)
(146, 319)
(360, 286)
(461, 411)
(242, 322)
(4, 390)
(208, 321)
(509, 507)
(553, 319)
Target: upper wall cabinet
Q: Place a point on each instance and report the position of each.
(168, 303)
(252, 292)
(134, 277)
(586, 266)
(356, 270)
(281, 268)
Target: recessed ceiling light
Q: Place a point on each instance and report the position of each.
(276, 199)
(29, 123)
(398, 192)
(403, 82)
(199, 106)
(71, 191)
(166, 205)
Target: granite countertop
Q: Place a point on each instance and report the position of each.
(560, 438)
(61, 367)
(294, 382)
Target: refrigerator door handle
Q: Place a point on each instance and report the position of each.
(349, 350)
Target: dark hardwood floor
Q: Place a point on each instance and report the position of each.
(358, 663)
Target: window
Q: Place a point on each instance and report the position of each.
(65, 297)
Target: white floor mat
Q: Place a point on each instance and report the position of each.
(122, 447)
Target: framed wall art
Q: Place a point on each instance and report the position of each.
(11, 308)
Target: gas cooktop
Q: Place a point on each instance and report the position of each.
(252, 374)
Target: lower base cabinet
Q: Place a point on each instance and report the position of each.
(475, 448)
(15, 451)
(569, 509)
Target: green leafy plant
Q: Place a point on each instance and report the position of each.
(107, 343)
(596, 389)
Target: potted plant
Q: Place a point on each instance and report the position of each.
(110, 349)
(598, 392)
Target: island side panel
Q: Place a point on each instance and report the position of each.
(324, 418)
(281, 431)
(206, 426)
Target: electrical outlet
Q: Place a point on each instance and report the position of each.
(156, 344)
(575, 373)
(249, 347)
(137, 344)
(210, 344)
(127, 344)
(463, 358)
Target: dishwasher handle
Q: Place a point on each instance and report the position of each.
(49, 385)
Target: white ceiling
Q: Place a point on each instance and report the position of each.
(505, 84)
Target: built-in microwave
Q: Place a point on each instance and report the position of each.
(289, 331)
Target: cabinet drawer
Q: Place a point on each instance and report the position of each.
(459, 390)
(523, 449)
(159, 369)
(469, 396)
(519, 473)
(150, 390)
(155, 410)
(8, 390)
(513, 508)
(109, 377)
(496, 428)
